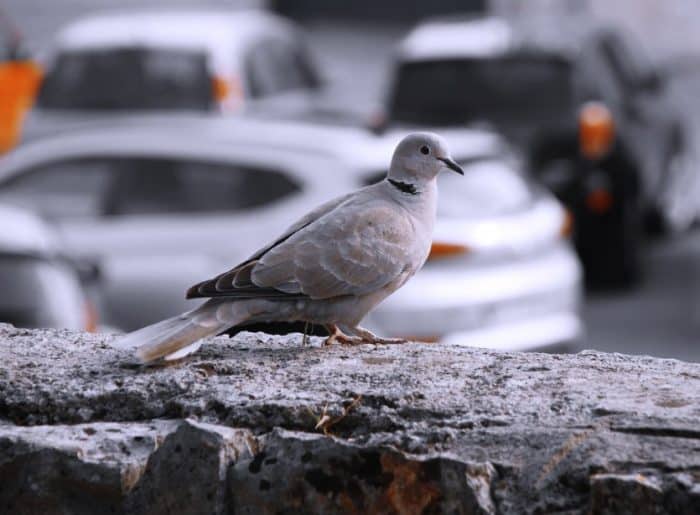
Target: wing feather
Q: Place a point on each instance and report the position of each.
(353, 253)
(237, 283)
(351, 246)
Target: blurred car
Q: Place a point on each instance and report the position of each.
(164, 204)
(534, 84)
(120, 62)
(40, 287)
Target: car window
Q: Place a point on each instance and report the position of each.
(276, 66)
(513, 88)
(127, 78)
(109, 186)
(152, 186)
(489, 188)
(64, 189)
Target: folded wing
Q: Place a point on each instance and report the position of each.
(353, 248)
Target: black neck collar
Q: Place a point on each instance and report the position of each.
(404, 187)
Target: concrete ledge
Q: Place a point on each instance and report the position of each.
(261, 424)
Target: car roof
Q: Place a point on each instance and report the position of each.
(223, 34)
(22, 232)
(218, 137)
(484, 37)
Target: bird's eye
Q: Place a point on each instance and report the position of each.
(425, 150)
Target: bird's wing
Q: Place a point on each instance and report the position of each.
(310, 217)
(355, 248)
(352, 251)
(239, 276)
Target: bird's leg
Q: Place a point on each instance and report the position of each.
(369, 337)
(332, 334)
(305, 338)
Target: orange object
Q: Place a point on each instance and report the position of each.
(567, 225)
(440, 250)
(91, 317)
(19, 82)
(228, 93)
(599, 200)
(220, 88)
(596, 130)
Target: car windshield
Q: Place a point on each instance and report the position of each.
(489, 188)
(510, 89)
(127, 78)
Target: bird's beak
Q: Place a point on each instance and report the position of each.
(452, 165)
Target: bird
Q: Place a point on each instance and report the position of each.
(330, 268)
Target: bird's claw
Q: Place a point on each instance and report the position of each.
(344, 339)
(370, 337)
(363, 336)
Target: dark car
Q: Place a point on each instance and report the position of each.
(538, 91)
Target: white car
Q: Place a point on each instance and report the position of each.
(164, 205)
(163, 60)
(40, 287)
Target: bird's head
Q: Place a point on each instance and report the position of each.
(419, 157)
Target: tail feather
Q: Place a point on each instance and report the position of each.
(174, 337)
(185, 351)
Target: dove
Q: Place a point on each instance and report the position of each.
(329, 268)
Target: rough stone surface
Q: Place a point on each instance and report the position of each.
(261, 424)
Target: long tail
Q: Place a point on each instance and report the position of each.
(176, 337)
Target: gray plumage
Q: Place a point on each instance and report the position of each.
(331, 267)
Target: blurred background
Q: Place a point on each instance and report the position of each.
(146, 145)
